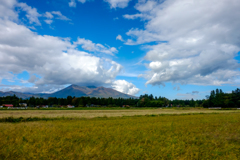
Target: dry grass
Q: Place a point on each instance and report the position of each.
(202, 136)
(102, 113)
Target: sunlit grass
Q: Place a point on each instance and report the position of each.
(102, 113)
(202, 136)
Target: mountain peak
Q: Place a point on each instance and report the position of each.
(73, 85)
(76, 91)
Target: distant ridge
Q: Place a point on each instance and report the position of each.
(74, 90)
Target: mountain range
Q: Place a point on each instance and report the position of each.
(73, 90)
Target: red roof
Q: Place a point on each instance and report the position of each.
(8, 105)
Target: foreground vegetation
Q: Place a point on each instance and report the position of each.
(201, 136)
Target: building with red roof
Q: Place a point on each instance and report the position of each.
(7, 105)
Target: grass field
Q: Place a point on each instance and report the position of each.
(200, 136)
(104, 112)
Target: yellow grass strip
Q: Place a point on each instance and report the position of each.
(102, 113)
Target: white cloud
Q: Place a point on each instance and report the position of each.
(48, 21)
(6, 9)
(118, 3)
(34, 89)
(32, 13)
(138, 15)
(82, 1)
(48, 15)
(119, 37)
(73, 3)
(55, 60)
(146, 5)
(95, 47)
(134, 16)
(125, 87)
(197, 41)
(54, 14)
(60, 16)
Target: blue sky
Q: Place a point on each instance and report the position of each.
(172, 48)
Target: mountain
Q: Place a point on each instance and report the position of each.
(74, 90)
(18, 94)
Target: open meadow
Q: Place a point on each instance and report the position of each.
(91, 113)
(193, 136)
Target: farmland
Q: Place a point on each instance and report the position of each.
(196, 136)
(72, 113)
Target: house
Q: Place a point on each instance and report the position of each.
(44, 106)
(1, 106)
(7, 105)
(127, 106)
(70, 106)
(23, 104)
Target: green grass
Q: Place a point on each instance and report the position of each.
(198, 136)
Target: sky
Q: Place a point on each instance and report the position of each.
(179, 49)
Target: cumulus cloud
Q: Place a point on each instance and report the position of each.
(73, 3)
(125, 87)
(88, 45)
(119, 37)
(50, 57)
(6, 10)
(118, 3)
(197, 41)
(55, 61)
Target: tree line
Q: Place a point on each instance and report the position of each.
(76, 101)
(217, 98)
(143, 101)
